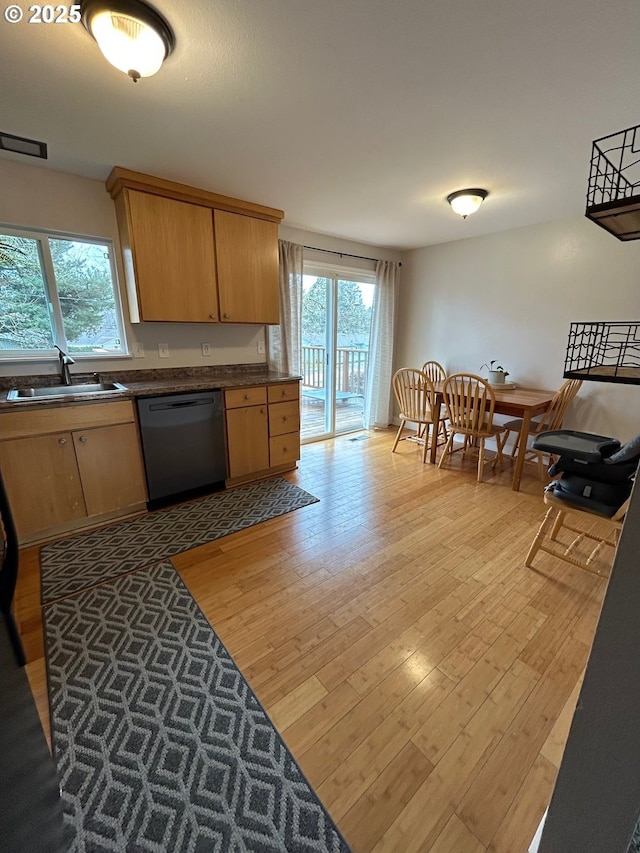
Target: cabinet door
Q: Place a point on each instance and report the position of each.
(110, 467)
(42, 480)
(247, 253)
(174, 258)
(247, 440)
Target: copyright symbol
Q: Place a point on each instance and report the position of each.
(13, 14)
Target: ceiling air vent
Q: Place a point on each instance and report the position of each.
(22, 145)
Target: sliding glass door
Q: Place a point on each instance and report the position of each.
(336, 322)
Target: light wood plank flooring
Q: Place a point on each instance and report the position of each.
(423, 678)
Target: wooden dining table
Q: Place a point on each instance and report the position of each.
(523, 403)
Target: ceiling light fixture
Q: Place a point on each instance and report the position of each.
(131, 35)
(464, 202)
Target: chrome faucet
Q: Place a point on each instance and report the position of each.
(65, 361)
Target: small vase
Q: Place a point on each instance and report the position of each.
(496, 377)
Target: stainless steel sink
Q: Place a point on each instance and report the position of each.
(53, 391)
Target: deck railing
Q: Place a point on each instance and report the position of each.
(351, 368)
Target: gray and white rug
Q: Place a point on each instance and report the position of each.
(161, 744)
(75, 564)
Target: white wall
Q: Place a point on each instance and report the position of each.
(511, 297)
(36, 197)
(334, 245)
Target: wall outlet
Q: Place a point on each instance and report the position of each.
(206, 349)
(138, 350)
(163, 350)
(261, 347)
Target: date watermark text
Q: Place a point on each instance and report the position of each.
(14, 13)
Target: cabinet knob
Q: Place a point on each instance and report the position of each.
(212, 316)
(284, 448)
(62, 441)
(83, 439)
(284, 418)
(247, 396)
(226, 316)
(262, 411)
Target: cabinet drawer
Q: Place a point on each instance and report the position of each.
(285, 391)
(236, 397)
(284, 417)
(284, 449)
(40, 420)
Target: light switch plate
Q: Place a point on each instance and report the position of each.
(138, 350)
(206, 349)
(261, 347)
(163, 350)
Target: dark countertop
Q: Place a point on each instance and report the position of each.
(145, 383)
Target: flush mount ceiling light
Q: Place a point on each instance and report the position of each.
(464, 202)
(131, 35)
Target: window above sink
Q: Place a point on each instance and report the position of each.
(58, 290)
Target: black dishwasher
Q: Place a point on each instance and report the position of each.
(183, 445)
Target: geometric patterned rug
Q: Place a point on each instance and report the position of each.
(161, 744)
(74, 564)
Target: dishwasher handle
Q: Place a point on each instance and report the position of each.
(180, 404)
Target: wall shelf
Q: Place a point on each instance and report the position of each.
(613, 196)
(604, 352)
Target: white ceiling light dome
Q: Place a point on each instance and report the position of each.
(465, 202)
(131, 35)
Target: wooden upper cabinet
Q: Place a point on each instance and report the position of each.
(195, 256)
(247, 252)
(173, 254)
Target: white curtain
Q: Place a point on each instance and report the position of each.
(285, 341)
(377, 412)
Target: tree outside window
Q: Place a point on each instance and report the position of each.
(56, 290)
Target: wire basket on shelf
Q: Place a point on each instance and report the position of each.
(604, 352)
(613, 196)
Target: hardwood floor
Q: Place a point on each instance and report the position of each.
(422, 677)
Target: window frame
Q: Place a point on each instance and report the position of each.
(41, 236)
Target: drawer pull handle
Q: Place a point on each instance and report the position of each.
(62, 441)
(83, 439)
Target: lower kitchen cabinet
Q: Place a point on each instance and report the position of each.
(247, 440)
(110, 467)
(263, 429)
(67, 467)
(42, 481)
